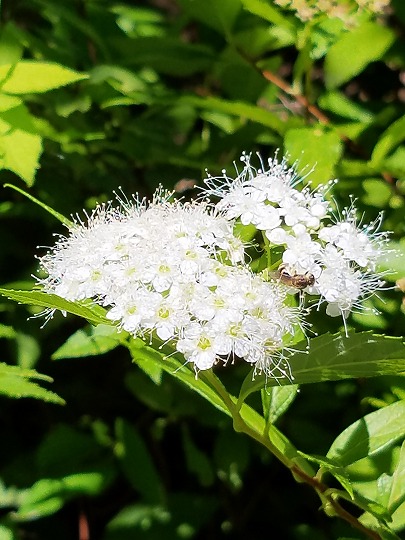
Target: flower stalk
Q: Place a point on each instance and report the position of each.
(328, 496)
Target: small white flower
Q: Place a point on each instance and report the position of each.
(131, 310)
(299, 221)
(199, 346)
(356, 244)
(301, 251)
(177, 271)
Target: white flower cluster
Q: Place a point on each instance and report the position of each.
(338, 258)
(176, 271)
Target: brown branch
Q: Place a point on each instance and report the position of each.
(302, 100)
(84, 529)
(321, 117)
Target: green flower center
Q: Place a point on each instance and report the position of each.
(204, 343)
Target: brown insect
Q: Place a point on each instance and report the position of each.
(298, 281)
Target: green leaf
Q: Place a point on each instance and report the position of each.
(397, 493)
(341, 105)
(207, 384)
(314, 147)
(152, 370)
(197, 461)
(391, 137)
(11, 47)
(137, 463)
(138, 21)
(123, 80)
(336, 357)
(269, 13)
(7, 332)
(277, 400)
(31, 77)
(245, 111)
(140, 520)
(231, 457)
(334, 469)
(161, 399)
(355, 50)
(184, 514)
(218, 15)
(369, 435)
(28, 350)
(354, 168)
(22, 151)
(48, 495)
(393, 263)
(65, 450)
(7, 532)
(15, 383)
(376, 524)
(374, 509)
(377, 192)
(70, 17)
(9, 102)
(175, 368)
(166, 55)
(94, 314)
(54, 213)
(20, 144)
(27, 373)
(394, 163)
(91, 341)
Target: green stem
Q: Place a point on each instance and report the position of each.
(241, 425)
(268, 250)
(330, 504)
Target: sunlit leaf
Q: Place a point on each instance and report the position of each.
(21, 145)
(315, 151)
(91, 341)
(21, 154)
(393, 262)
(341, 105)
(335, 357)
(369, 435)
(94, 314)
(276, 401)
(9, 102)
(397, 492)
(270, 13)
(355, 50)
(15, 383)
(29, 77)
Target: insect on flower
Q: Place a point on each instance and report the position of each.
(298, 281)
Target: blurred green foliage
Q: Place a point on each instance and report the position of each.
(98, 95)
